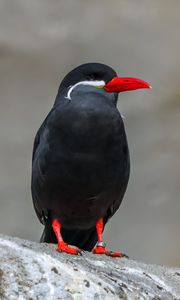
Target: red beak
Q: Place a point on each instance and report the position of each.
(121, 84)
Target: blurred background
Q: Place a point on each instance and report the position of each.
(40, 41)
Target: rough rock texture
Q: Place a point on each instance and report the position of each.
(30, 271)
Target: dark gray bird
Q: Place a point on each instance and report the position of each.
(80, 166)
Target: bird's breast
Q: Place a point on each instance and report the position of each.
(87, 125)
(87, 146)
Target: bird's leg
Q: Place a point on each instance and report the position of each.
(62, 246)
(100, 247)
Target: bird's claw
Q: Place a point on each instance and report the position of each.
(116, 254)
(63, 247)
(125, 256)
(103, 250)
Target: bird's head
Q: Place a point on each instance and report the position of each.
(100, 76)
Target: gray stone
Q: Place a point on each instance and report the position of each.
(30, 270)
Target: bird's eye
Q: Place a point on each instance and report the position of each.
(91, 77)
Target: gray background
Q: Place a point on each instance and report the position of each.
(40, 41)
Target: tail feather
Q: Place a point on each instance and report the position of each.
(83, 239)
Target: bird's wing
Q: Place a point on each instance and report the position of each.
(35, 149)
(37, 140)
(36, 166)
(38, 136)
(115, 205)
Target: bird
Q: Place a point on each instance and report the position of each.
(81, 161)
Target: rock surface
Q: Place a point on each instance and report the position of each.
(31, 270)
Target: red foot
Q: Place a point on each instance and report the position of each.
(63, 247)
(103, 250)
